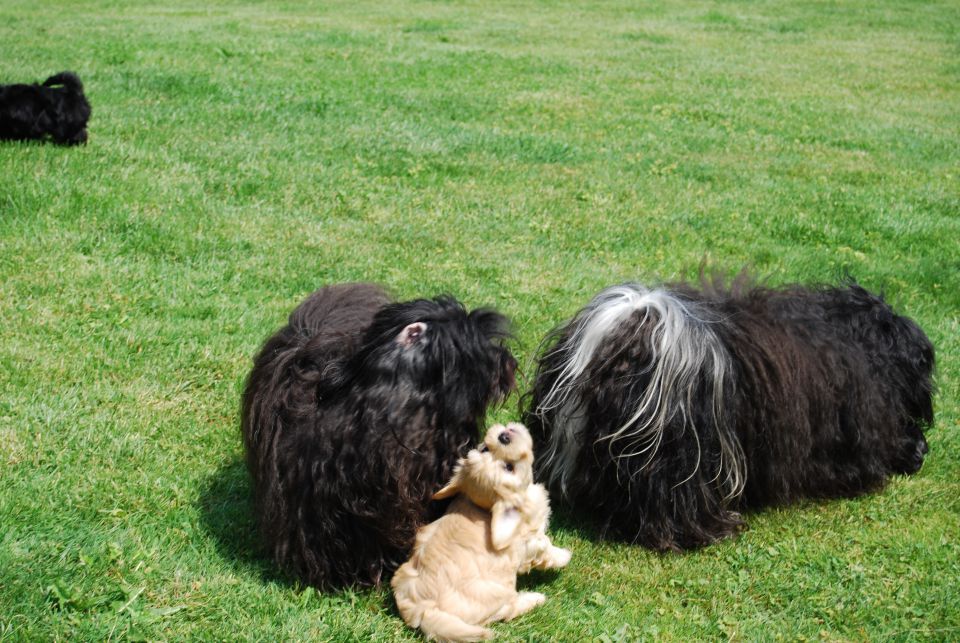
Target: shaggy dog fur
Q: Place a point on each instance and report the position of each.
(56, 109)
(463, 571)
(665, 412)
(353, 415)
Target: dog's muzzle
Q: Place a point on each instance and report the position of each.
(912, 460)
(920, 453)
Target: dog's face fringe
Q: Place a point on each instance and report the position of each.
(436, 344)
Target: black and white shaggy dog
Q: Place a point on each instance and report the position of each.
(55, 109)
(665, 412)
(355, 413)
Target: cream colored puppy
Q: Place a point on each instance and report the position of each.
(463, 570)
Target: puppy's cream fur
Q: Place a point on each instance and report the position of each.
(463, 570)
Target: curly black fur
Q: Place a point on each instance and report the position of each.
(664, 413)
(55, 109)
(354, 415)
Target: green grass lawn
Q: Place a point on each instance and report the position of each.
(521, 154)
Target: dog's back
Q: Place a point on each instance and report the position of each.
(23, 112)
(281, 391)
(327, 326)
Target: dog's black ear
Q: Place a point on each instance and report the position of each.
(491, 323)
(504, 523)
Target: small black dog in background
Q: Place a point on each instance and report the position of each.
(56, 109)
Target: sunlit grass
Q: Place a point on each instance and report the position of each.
(522, 155)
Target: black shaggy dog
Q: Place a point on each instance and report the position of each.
(354, 415)
(56, 109)
(665, 412)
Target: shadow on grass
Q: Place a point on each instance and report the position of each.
(574, 523)
(226, 512)
(537, 578)
(587, 527)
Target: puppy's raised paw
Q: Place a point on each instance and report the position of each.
(526, 601)
(557, 557)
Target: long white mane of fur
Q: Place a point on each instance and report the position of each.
(683, 347)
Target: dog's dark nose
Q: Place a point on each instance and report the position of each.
(504, 438)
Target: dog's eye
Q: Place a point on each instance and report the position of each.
(484, 448)
(508, 466)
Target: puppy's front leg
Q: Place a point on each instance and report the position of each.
(554, 557)
(543, 554)
(523, 603)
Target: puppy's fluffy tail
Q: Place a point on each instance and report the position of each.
(419, 611)
(444, 626)
(66, 78)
